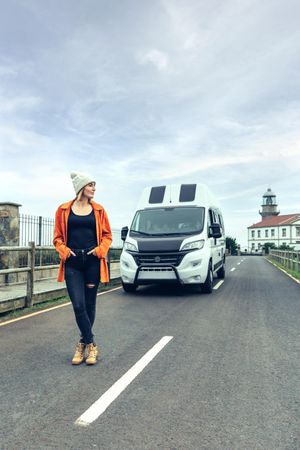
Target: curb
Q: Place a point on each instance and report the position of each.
(284, 271)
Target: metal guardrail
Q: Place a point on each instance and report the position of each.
(289, 259)
(31, 267)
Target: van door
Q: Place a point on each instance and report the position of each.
(215, 244)
(222, 239)
(212, 240)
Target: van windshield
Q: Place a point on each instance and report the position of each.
(168, 221)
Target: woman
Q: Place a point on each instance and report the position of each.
(82, 237)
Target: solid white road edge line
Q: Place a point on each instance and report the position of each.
(100, 405)
(282, 270)
(110, 290)
(218, 284)
(231, 270)
(49, 309)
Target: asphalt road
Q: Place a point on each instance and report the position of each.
(228, 378)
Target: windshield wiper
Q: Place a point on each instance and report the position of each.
(189, 233)
(141, 232)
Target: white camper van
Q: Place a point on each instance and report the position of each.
(177, 234)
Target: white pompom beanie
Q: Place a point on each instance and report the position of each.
(80, 180)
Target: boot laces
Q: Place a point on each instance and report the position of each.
(80, 349)
(92, 351)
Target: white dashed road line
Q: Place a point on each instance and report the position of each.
(231, 270)
(218, 284)
(100, 405)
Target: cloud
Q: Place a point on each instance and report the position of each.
(209, 94)
(7, 71)
(15, 104)
(156, 57)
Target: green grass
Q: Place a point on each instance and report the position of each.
(38, 307)
(47, 304)
(294, 273)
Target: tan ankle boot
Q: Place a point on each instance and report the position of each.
(92, 354)
(79, 355)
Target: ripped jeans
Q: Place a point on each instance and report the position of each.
(82, 275)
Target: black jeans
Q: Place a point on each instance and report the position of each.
(82, 275)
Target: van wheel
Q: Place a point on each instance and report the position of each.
(129, 287)
(207, 286)
(221, 272)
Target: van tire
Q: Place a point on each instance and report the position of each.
(207, 286)
(129, 287)
(221, 271)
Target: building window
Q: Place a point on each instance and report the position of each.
(258, 233)
(253, 246)
(297, 231)
(252, 233)
(283, 232)
(273, 233)
(266, 233)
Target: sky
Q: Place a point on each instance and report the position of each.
(143, 93)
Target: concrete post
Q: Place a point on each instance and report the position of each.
(30, 275)
(9, 235)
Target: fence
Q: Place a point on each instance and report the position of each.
(289, 259)
(36, 229)
(40, 229)
(32, 265)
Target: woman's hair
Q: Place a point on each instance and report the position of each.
(80, 194)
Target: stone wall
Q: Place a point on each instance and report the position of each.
(9, 236)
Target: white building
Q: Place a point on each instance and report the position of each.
(274, 228)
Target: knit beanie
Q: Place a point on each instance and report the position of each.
(80, 180)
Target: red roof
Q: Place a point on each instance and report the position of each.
(276, 221)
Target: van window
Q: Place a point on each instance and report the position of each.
(211, 217)
(168, 221)
(157, 194)
(220, 221)
(187, 193)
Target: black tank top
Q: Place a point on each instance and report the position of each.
(82, 231)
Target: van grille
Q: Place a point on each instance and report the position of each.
(156, 259)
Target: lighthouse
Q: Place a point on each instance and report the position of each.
(269, 205)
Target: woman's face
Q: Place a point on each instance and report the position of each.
(89, 190)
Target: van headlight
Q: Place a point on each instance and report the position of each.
(131, 247)
(196, 245)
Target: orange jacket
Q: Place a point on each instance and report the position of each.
(103, 232)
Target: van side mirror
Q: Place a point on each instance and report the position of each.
(124, 232)
(215, 231)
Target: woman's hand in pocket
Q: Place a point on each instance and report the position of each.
(92, 252)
